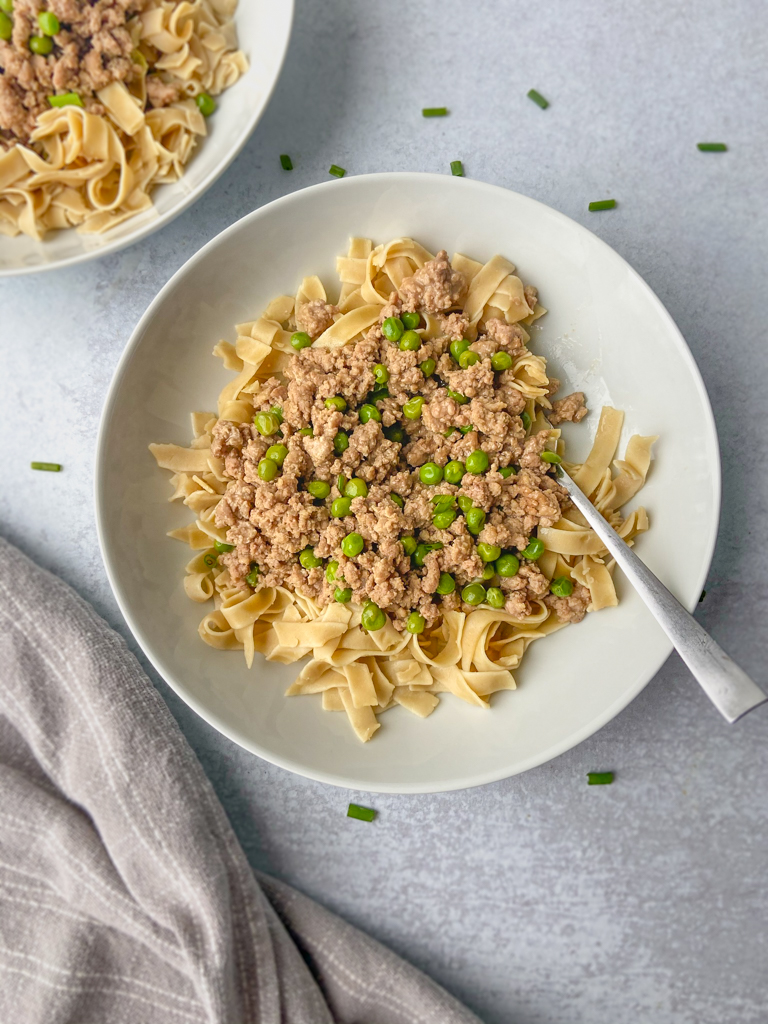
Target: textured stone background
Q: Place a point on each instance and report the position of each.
(537, 900)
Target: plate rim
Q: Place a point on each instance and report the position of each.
(196, 193)
(287, 763)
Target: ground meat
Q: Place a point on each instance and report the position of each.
(93, 48)
(569, 609)
(571, 409)
(531, 296)
(160, 93)
(315, 316)
(436, 288)
(270, 522)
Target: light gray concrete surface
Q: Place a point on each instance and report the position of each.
(536, 900)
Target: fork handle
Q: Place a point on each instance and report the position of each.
(728, 687)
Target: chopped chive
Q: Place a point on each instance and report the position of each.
(50, 467)
(285, 162)
(603, 204)
(712, 147)
(599, 778)
(457, 168)
(537, 98)
(703, 595)
(362, 813)
(336, 171)
(434, 111)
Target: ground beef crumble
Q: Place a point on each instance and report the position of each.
(271, 522)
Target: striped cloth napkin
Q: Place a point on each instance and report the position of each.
(124, 895)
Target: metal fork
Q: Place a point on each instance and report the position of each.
(728, 687)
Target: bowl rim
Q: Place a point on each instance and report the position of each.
(194, 194)
(287, 763)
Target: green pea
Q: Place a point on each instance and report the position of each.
(392, 328)
(412, 408)
(428, 367)
(534, 550)
(477, 461)
(465, 503)
(372, 617)
(352, 545)
(430, 473)
(337, 402)
(306, 432)
(206, 104)
(415, 623)
(494, 597)
(356, 488)
(475, 520)
(369, 412)
(65, 99)
(421, 552)
(488, 572)
(6, 27)
(268, 469)
(309, 559)
(524, 416)
(507, 565)
(467, 429)
(380, 373)
(48, 22)
(441, 502)
(40, 44)
(488, 552)
(277, 410)
(454, 471)
(507, 471)
(319, 488)
(341, 507)
(6, 5)
(300, 340)
(474, 593)
(395, 433)
(410, 342)
(409, 544)
(342, 594)
(210, 560)
(449, 431)
(330, 570)
(552, 457)
(266, 423)
(468, 358)
(561, 587)
(277, 452)
(458, 346)
(340, 442)
(458, 398)
(447, 584)
(442, 520)
(222, 548)
(341, 483)
(252, 579)
(410, 320)
(397, 500)
(501, 361)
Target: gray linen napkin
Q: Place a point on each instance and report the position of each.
(124, 895)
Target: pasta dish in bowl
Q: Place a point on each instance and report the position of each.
(604, 334)
(102, 103)
(377, 489)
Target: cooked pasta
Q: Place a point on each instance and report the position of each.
(446, 552)
(114, 105)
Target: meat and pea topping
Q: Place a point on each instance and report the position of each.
(398, 472)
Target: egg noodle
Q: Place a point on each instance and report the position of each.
(93, 172)
(471, 655)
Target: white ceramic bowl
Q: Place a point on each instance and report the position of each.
(606, 333)
(264, 28)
